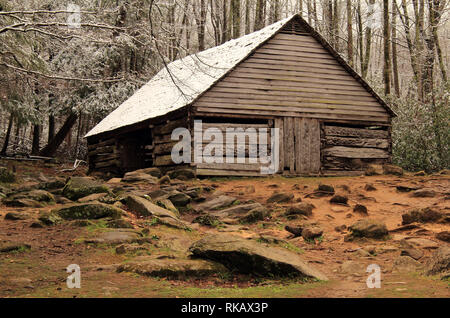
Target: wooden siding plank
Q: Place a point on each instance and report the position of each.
(315, 146)
(280, 126)
(356, 153)
(214, 95)
(355, 132)
(318, 109)
(269, 113)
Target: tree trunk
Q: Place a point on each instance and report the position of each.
(247, 17)
(36, 139)
(349, 33)
(387, 51)
(394, 51)
(225, 22)
(200, 18)
(260, 14)
(236, 16)
(53, 145)
(308, 6)
(7, 136)
(365, 64)
(360, 36)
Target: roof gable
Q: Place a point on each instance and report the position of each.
(183, 81)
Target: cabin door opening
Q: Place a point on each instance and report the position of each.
(299, 145)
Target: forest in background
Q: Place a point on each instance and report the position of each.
(58, 81)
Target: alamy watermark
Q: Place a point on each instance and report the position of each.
(374, 279)
(234, 146)
(74, 279)
(74, 17)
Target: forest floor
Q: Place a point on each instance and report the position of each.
(40, 271)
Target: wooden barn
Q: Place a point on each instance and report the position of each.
(286, 76)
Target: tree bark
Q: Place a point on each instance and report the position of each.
(36, 139)
(7, 136)
(50, 149)
(260, 14)
(365, 64)
(387, 51)
(349, 33)
(396, 80)
(236, 16)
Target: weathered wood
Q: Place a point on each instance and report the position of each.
(279, 124)
(102, 150)
(227, 173)
(108, 142)
(167, 127)
(354, 132)
(111, 163)
(363, 153)
(163, 161)
(357, 142)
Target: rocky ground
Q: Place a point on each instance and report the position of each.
(149, 235)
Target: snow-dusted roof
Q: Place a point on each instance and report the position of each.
(184, 80)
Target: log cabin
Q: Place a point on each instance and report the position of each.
(285, 76)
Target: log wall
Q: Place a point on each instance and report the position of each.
(352, 149)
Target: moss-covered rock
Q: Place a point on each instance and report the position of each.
(207, 220)
(280, 197)
(369, 229)
(6, 175)
(425, 215)
(182, 174)
(179, 199)
(255, 215)
(50, 219)
(33, 199)
(250, 257)
(88, 211)
(80, 187)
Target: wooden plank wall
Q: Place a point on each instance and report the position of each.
(233, 169)
(292, 76)
(162, 141)
(301, 146)
(351, 149)
(104, 155)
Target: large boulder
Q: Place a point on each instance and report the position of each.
(8, 247)
(302, 208)
(173, 268)
(424, 193)
(217, 203)
(369, 229)
(392, 170)
(280, 197)
(88, 211)
(182, 174)
(6, 175)
(118, 236)
(251, 257)
(440, 262)
(237, 210)
(80, 187)
(139, 176)
(255, 215)
(146, 208)
(32, 199)
(16, 216)
(406, 264)
(179, 199)
(426, 215)
(312, 232)
(373, 170)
